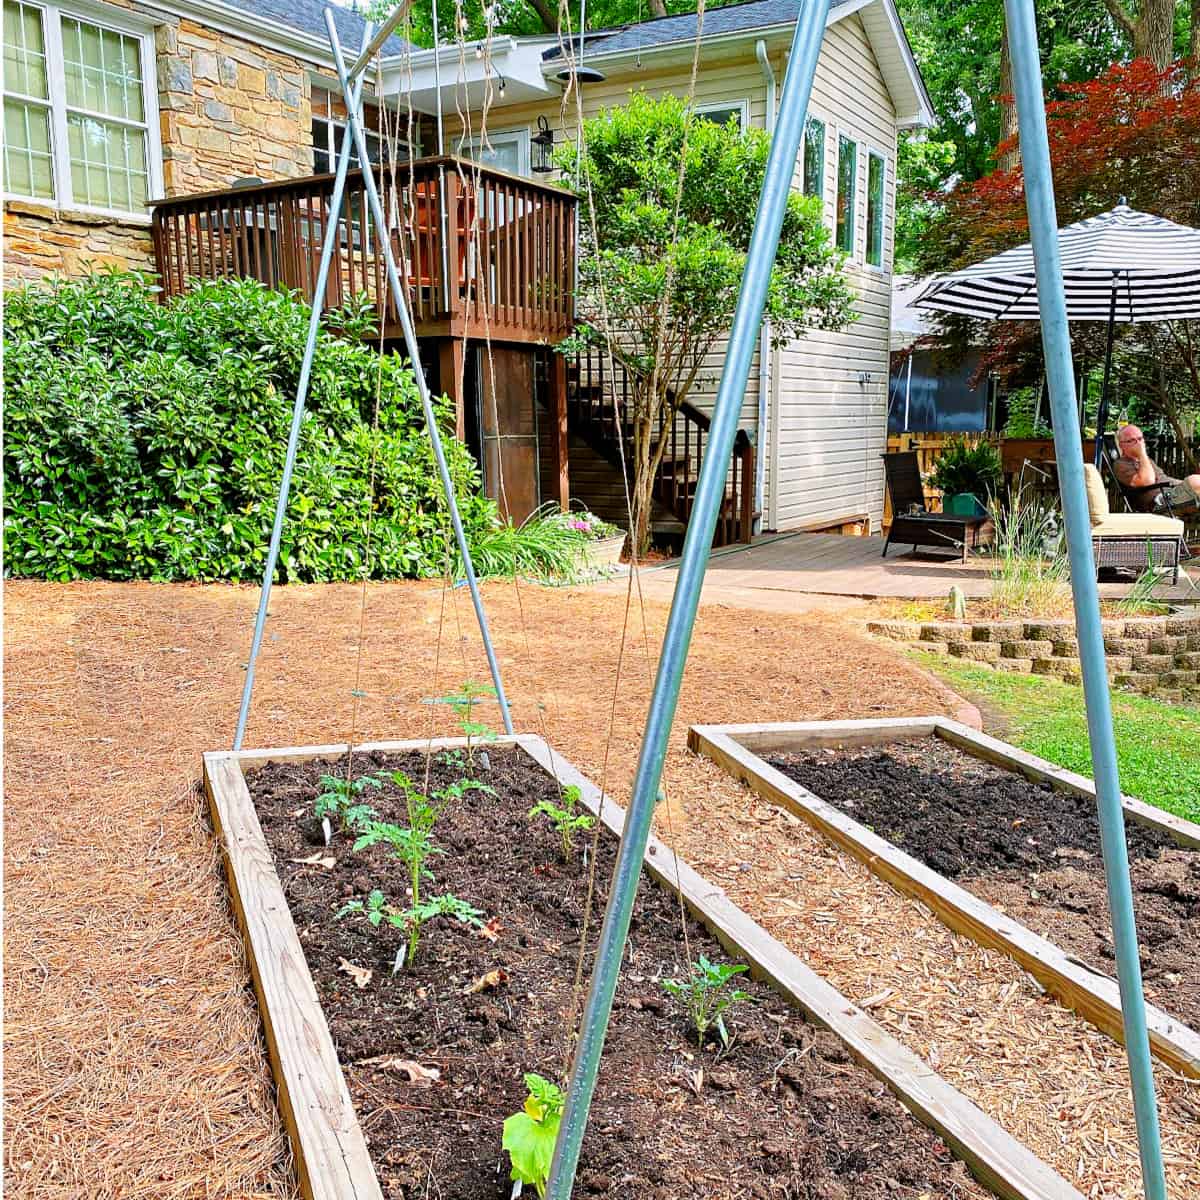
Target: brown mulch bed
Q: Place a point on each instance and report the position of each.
(134, 1064)
(783, 1113)
(1025, 846)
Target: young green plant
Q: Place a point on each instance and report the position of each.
(464, 702)
(529, 1135)
(342, 801)
(414, 846)
(706, 995)
(376, 910)
(564, 818)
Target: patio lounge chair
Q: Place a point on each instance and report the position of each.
(1131, 540)
(913, 523)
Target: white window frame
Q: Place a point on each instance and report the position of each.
(828, 125)
(742, 106)
(331, 123)
(118, 20)
(882, 267)
(858, 251)
(519, 135)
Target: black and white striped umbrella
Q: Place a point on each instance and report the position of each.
(1123, 266)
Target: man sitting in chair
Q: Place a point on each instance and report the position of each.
(1138, 474)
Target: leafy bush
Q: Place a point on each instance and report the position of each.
(962, 468)
(146, 441)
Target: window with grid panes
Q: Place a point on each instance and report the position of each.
(82, 137)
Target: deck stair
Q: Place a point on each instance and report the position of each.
(592, 386)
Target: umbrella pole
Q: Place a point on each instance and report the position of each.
(1056, 346)
(1102, 411)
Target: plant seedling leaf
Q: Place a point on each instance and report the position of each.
(360, 975)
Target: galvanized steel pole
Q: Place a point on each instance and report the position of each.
(410, 344)
(760, 260)
(289, 462)
(1068, 451)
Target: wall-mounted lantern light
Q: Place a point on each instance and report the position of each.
(543, 145)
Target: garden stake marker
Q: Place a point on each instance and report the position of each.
(797, 86)
(1068, 451)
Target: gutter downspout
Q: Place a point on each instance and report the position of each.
(764, 333)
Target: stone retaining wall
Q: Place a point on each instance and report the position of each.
(1146, 654)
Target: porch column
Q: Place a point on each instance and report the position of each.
(558, 410)
(452, 361)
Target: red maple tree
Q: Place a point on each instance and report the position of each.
(1135, 133)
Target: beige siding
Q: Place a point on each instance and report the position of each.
(827, 426)
(826, 430)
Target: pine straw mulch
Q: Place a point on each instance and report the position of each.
(134, 1061)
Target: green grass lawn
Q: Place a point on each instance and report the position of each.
(1158, 745)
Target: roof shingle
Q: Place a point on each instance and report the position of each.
(308, 17)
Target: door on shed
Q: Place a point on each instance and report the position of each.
(508, 430)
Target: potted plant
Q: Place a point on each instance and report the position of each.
(967, 476)
(605, 541)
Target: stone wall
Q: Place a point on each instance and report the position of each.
(1147, 654)
(227, 110)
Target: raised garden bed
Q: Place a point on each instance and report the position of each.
(995, 841)
(398, 1087)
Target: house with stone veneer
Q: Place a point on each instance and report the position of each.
(195, 138)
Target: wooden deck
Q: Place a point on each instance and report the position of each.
(832, 565)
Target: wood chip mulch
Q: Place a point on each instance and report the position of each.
(134, 1060)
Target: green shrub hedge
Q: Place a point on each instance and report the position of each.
(146, 441)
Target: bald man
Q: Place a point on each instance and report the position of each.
(1136, 469)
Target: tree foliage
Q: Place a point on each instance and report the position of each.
(658, 290)
(1133, 132)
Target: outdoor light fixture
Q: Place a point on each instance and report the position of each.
(582, 75)
(500, 84)
(542, 143)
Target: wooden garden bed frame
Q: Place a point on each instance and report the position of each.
(333, 1162)
(739, 750)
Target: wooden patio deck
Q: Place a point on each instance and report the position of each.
(832, 565)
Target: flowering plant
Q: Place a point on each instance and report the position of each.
(592, 527)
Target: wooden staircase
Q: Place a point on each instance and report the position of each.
(592, 416)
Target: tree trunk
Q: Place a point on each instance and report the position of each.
(547, 14)
(658, 8)
(1008, 160)
(1194, 44)
(642, 491)
(1152, 31)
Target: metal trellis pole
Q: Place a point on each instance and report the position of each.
(289, 462)
(410, 343)
(760, 260)
(1068, 451)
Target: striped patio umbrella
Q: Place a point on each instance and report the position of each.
(1121, 266)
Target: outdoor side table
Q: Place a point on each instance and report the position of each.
(941, 531)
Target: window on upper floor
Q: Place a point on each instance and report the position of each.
(876, 178)
(847, 180)
(80, 110)
(329, 127)
(720, 114)
(814, 157)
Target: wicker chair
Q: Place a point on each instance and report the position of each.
(913, 523)
(1131, 540)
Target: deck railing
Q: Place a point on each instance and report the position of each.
(481, 251)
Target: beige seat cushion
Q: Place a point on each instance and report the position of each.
(1137, 525)
(1097, 497)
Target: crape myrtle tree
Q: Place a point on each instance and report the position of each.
(658, 289)
(1133, 132)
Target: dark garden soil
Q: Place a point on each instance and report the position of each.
(1028, 849)
(434, 1056)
